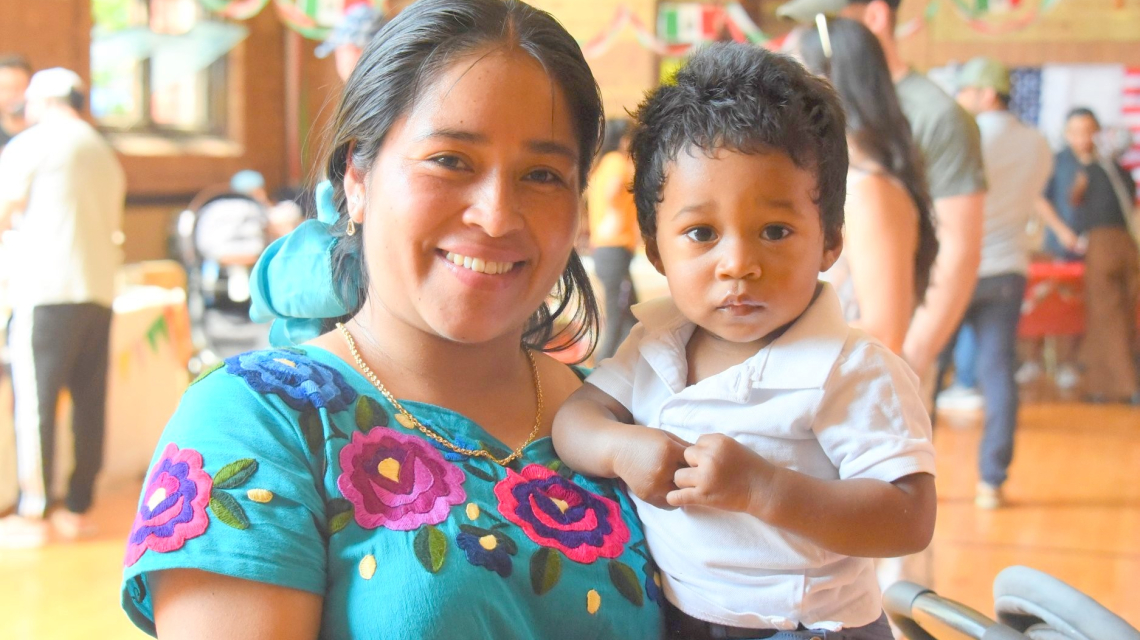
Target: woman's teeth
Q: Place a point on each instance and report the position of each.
(480, 265)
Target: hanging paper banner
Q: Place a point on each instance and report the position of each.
(235, 9)
(311, 18)
(741, 26)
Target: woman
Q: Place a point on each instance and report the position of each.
(292, 496)
(614, 234)
(889, 243)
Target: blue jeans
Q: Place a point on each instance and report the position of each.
(993, 315)
(966, 358)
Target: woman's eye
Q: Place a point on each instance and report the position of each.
(776, 232)
(449, 162)
(544, 176)
(701, 234)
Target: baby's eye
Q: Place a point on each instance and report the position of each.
(701, 234)
(775, 232)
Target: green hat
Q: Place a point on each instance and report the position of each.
(984, 73)
(804, 11)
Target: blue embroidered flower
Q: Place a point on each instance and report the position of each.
(486, 548)
(653, 584)
(457, 440)
(294, 377)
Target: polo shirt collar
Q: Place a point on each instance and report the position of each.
(801, 358)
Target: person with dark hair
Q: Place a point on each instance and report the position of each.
(351, 35)
(15, 73)
(613, 233)
(63, 190)
(797, 446)
(888, 241)
(1093, 199)
(1018, 163)
(391, 477)
(951, 150)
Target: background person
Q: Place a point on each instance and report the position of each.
(15, 73)
(350, 37)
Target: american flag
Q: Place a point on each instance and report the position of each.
(1130, 107)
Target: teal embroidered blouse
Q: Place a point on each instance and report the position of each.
(287, 467)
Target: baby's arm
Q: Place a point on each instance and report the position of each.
(856, 517)
(594, 435)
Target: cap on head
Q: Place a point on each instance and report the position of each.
(984, 73)
(247, 181)
(356, 27)
(805, 11)
(56, 82)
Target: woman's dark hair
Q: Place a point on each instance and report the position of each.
(876, 125)
(403, 59)
(742, 98)
(616, 129)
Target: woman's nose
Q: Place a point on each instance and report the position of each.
(495, 208)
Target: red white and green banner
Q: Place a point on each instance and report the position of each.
(311, 18)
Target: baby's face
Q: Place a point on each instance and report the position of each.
(740, 240)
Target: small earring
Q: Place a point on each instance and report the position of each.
(350, 230)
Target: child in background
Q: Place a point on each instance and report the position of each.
(771, 449)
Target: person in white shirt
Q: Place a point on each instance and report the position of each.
(67, 188)
(772, 450)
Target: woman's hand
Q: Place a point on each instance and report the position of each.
(721, 473)
(646, 461)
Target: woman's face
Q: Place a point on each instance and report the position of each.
(470, 211)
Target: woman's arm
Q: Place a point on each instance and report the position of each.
(196, 604)
(880, 240)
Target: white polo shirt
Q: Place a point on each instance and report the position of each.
(823, 399)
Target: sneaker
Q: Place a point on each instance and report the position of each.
(987, 496)
(1028, 372)
(958, 398)
(1068, 377)
(17, 532)
(72, 526)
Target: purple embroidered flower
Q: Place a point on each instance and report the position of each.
(173, 508)
(555, 512)
(294, 377)
(486, 548)
(398, 481)
(653, 584)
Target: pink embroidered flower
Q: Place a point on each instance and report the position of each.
(555, 512)
(398, 481)
(173, 508)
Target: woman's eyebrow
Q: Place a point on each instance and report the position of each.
(537, 146)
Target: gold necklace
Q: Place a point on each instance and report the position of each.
(477, 453)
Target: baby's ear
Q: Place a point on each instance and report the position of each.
(831, 254)
(654, 255)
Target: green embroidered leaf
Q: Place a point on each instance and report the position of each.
(545, 570)
(554, 465)
(314, 432)
(235, 473)
(340, 514)
(207, 371)
(566, 472)
(494, 450)
(626, 582)
(506, 543)
(370, 414)
(478, 473)
(431, 548)
(228, 510)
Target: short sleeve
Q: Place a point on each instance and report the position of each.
(872, 423)
(952, 149)
(231, 490)
(18, 163)
(614, 376)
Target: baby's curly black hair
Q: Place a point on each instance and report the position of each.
(742, 98)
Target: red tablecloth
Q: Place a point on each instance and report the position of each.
(1054, 302)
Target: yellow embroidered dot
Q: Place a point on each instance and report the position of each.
(593, 601)
(472, 511)
(260, 495)
(368, 567)
(404, 421)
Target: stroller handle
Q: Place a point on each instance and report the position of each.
(922, 614)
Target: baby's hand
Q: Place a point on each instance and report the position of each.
(721, 473)
(647, 462)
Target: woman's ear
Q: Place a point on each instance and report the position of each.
(355, 191)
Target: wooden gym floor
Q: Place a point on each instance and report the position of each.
(1074, 512)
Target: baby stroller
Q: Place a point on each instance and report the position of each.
(220, 234)
(1028, 604)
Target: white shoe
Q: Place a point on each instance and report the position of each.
(17, 532)
(958, 398)
(1028, 372)
(1068, 377)
(987, 496)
